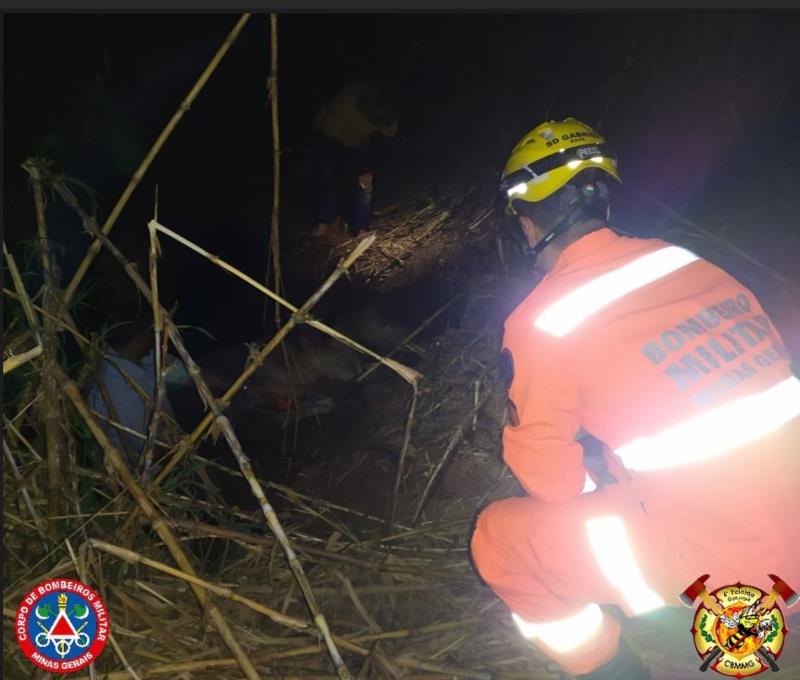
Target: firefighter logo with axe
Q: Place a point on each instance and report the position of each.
(739, 630)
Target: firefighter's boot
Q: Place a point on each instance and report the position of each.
(626, 665)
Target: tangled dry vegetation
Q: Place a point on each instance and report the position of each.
(200, 589)
(316, 583)
(418, 238)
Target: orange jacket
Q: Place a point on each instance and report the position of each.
(646, 347)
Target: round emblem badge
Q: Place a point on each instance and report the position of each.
(62, 625)
(739, 631)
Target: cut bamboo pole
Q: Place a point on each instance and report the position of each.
(299, 316)
(26, 497)
(14, 362)
(222, 421)
(402, 460)
(408, 374)
(282, 619)
(160, 525)
(267, 656)
(135, 558)
(160, 356)
(160, 627)
(274, 257)
(80, 338)
(454, 440)
(22, 295)
(357, 603)
(49, 343)
(185, 105)
(413, 334)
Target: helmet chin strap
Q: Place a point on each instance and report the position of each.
(581, 205)
(532, 252)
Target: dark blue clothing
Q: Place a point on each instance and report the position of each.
(337, 192)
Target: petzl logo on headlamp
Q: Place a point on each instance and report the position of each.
(588, 152)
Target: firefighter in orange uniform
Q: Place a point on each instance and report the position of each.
(674, 366)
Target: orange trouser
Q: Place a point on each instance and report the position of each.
(536, 557)
(736, 522)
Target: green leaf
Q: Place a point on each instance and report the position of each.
(704, 633)
(775, 630)
(78, 609)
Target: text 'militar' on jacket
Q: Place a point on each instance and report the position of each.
(647, 347)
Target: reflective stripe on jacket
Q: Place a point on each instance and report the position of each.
(654, 351)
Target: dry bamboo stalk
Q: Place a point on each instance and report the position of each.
(62, 319)
(19, 286)
(135, 558)
(385, 667)
(377, 566)
(403, 452)
(13, 592)
(160, 362)
(408, 374)
(169, 669)
(272, 86)
(405, 661)
(128, 668)
(298, 316)
(413, 334)
(333, 523)
(185, 105)
(277, 617)
(112, 412)
(20, 437)
(363, 672)
(222, 421)
(158, 522)
(454, 440)
(411, 662)
(49, 343)
(79, 337)
(361, 590)
(14, 362)
(155, 624)
(16, 340)
(266, 656)
(53, 308)
(418, 632)
(122, 428)
(23, 491)
(80, 567)
(293, 496)
(357, 603)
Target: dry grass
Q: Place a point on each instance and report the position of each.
(317, 590)
(415, 239)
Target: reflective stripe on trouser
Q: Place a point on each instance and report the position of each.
(538, 558)
(579, 643)
(614, 553)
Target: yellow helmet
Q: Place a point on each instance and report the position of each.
(549, 156)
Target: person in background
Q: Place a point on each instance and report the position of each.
(345, 126)
(130, 357)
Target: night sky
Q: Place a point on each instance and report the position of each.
(702, 109)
